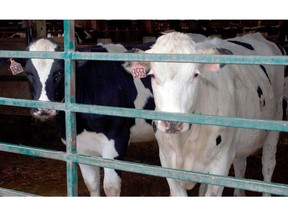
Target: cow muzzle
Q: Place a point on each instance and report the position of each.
(43, 114)
(172, 127)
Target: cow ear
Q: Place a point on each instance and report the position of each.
(214, 67)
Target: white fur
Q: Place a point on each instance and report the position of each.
(230, 92)
(197, 37)
(114, 48)
(97, 144)
(43, 66)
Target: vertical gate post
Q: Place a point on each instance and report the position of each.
(70, 117)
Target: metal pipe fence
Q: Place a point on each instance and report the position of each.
(71, 108)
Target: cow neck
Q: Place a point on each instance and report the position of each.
(205, 96)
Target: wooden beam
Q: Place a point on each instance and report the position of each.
(41, 28)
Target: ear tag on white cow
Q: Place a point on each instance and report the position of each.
(138, 71)
(15, 67)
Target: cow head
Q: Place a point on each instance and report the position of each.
(46, 77)
(175, 85)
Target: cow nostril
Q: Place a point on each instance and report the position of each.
(180, 125)
(46, 111)
(36, 110)
(49, 111)
(165, 124)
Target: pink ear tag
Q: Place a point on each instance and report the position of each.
(15, 67)
(138, 71)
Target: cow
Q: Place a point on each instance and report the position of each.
(104, 83)
(81, 35)
(246, 91)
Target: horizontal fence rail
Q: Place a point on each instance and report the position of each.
(184, 58)
(7, 192)
(70, 107)
(247, 184)
(153, 115)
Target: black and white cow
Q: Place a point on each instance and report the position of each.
(246, 91)
(97, 83)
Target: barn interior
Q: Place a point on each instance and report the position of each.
(47, 177)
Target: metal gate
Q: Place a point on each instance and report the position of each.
(71, 108)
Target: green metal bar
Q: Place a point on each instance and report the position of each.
(32, 103)
(246, 184)
(227, 59)
(34, 54)
(70, 117)
(12, 193)
(184, 117)
(32, 151)
(151, 114)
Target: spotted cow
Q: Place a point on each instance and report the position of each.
(97, 83)
(246, 91)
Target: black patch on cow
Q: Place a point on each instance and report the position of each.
(246, 45)
(261, 98)
(264, 70)
(223, 51)
(55, 82)
(286, 71)
(150, 105)
(260, 92)
(138, 47)
(154, 127)
(146, 81)
(284, 106)
(34, 80)
(282, 49)
(218, 140)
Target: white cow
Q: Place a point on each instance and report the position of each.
(248, 91)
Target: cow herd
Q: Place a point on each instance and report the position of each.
(245, 91)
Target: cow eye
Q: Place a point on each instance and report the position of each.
(196, 73)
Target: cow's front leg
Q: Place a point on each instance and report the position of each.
(114, 149)
(175, 188)
(239, 165)
(202, 189)
(214, 190)
(91, 176)
(112, 182)
(220, 166)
